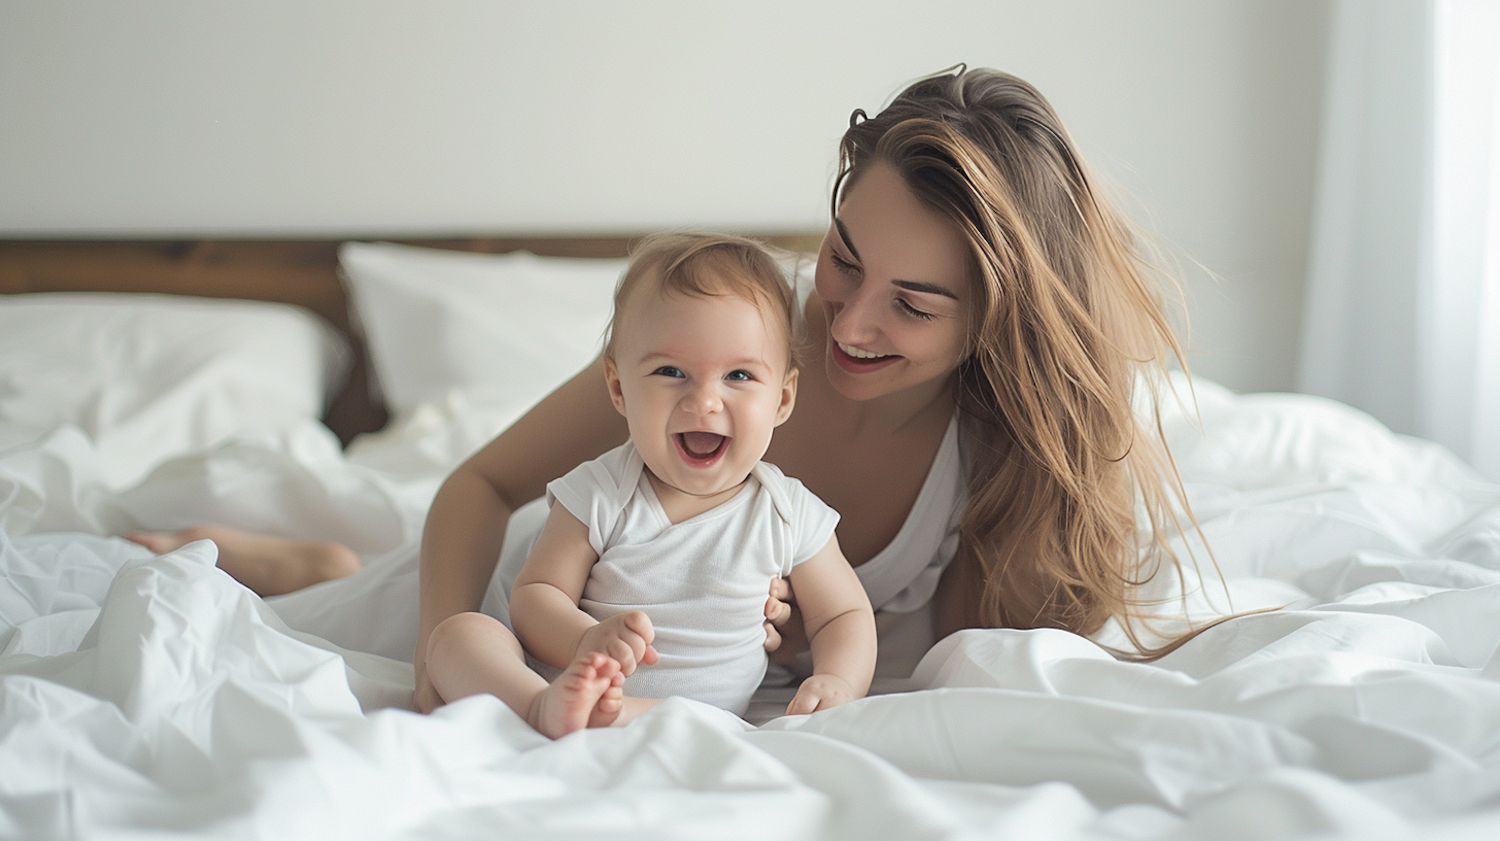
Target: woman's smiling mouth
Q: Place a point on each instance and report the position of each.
(858, 361)
(857, 353)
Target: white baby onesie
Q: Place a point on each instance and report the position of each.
(703, 581)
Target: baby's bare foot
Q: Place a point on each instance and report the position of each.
(268, 565)
(587, 694)
(610, 703)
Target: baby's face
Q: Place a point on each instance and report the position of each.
(701, 382)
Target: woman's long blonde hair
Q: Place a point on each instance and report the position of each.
(1066, 313)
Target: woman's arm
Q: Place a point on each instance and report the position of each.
(466, 524)
(840, 628)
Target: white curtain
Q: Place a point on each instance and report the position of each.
(1402, 313)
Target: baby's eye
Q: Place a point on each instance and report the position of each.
(669, 371)
(739, 376)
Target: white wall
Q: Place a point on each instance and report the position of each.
(325, 118)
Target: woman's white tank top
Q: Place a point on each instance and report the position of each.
(903, 576)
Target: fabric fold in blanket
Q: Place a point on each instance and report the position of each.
(155, 693)
(151, 696)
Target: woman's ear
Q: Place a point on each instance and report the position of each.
(788, 396)
(612, 382)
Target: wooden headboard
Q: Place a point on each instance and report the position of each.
(300, 272)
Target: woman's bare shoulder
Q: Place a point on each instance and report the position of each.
(871, 478)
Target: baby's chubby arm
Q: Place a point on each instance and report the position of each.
(544, 610)
(626, 637)
(840, 627)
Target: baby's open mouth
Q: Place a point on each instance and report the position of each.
(701, 445)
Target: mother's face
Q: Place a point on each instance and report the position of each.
(893, 277)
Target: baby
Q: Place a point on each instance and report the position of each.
(651, 575)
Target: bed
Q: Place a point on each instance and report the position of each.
(154, 696)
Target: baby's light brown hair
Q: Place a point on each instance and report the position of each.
(709, 265)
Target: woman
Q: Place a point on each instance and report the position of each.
(979, 321)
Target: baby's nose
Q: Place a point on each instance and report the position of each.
(703, 400)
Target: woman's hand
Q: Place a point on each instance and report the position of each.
(785, 638)
(778, 611)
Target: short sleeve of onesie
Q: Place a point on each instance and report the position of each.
(810, 519)
(597, 490)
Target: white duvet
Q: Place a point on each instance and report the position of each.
(144, 696)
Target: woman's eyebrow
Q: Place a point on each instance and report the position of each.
(913, 285)
(929, 288)
(844, 235)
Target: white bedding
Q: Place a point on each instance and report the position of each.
(147, 695)
(150, 376)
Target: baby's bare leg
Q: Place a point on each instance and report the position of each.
(267, 564)
(473, 654)
(632, 708)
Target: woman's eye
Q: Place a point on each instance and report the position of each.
(843, 265)
(739, 376)
(669, 371)
(912, 311)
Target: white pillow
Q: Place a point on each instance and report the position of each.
(502, 331)
(150, 377)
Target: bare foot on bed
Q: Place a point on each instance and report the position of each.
(587, 694)
(268, 565)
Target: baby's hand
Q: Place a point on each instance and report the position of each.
(625, 637)
(821, 692)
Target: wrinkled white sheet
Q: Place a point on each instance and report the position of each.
(143, 695)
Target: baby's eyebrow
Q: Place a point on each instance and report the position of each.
(747, 361)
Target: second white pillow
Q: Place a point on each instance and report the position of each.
(504, 330)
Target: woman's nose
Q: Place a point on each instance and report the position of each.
(855, 321)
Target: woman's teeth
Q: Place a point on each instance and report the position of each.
(857, 353)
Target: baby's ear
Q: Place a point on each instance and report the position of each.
(612, 382)
(788, 396)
